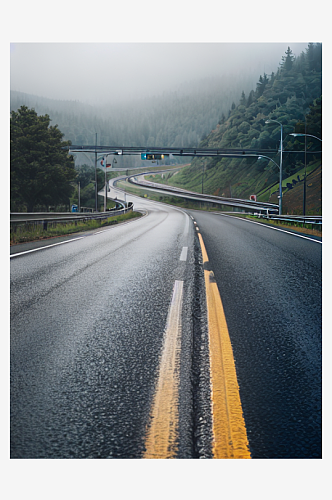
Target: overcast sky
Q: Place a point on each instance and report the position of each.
(102, 72)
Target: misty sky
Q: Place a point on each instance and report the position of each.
(103, 72)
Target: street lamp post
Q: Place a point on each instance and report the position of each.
(105, 166)
(308, 135)
(305, 164)
(96, 187)
(104, 159)
(203, 166)
(268, 158)
(280, 173)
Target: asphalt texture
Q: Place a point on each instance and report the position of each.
(87, 324)
(270, 284)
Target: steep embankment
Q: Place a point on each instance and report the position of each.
(291, 97)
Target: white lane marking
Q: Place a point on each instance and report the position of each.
(186, 229)
(184, 253)
(161, 440)
(275, 228)
(46, 246)
(74, 239)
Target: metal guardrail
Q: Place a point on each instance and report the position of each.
(20, 219)
(299, 219)
(234, 202)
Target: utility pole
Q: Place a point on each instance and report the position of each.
(280, 166)
(203, 167)
(280, 180)
(305, 135)
(305, 165)
(105, 166)
(96, 187)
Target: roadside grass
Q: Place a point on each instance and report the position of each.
(257, 185)
(295, 226)
(186, 204)
(32, 232)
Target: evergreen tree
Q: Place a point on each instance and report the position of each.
(313, 122)
(314, 56)
(262, 82)
(40, 170)
(287, 60)
(222, 119)
(250, 98)
(285, 98)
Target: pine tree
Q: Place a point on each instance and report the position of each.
(40, 170)
(314, 56)
(287, 60)
(262, 82)
(250, 98)
(222, 119)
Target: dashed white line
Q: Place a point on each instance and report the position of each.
(186, 229)
(184, 254)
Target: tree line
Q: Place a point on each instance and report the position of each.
(291, 96)
(42, 174)
(178, 118)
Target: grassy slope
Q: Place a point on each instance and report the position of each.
(292, 198)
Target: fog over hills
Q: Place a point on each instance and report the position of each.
(98, 73)
(147, 94)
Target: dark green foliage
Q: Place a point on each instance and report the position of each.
(250, 98)
(314, 57)
(290, 94)
(86, 177)
(85, 174)
(175, 119)
(313, 124)
(287, 60)
(40, 171)
(261, 85)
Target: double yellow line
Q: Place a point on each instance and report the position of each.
(229, 431)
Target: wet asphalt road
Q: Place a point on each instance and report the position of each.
(270, 285)
(87, 324)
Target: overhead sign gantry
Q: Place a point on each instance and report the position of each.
(159, 152)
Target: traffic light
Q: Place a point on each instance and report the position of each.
(147, 156)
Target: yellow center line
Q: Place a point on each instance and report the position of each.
(161, 439)
(229, 431)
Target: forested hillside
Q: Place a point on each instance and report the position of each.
(292, 96)
(212, 112)
(178, 118)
